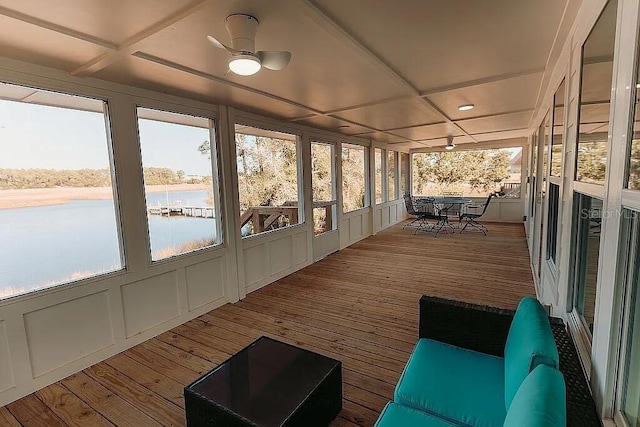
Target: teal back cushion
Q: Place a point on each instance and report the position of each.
(540, 401)
(530, 343)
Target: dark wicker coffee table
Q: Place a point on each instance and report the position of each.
(268, 383)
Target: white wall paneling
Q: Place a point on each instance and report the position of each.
(6, 368)
(68, 331)
(159, 297)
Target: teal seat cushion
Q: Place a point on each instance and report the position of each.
(540, 401)
(394, 415)
(458, 385)
(529, 343)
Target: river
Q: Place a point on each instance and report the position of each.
(44, 245)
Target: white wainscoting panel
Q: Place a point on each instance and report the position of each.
(6, 371)
(300, 248)
(280, 252)
(68, 331)
(356, 228)
(254, 264)
(325, 244)
(205, 282)
(149, 302)
(273, 255)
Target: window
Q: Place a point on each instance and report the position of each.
(354, 177)
(58, 205)
(558, 131)
(323, 174)
(391, 175)
(586, 243)
(180, 183)
(378, 174)
(595, 97)
(474, 173)
(268, 179)
(404, 170)
(628, 396)
(633, 165)
(552, 222)
(533, 175)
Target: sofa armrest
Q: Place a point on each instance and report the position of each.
(474, 327)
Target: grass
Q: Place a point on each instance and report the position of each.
(183, 248)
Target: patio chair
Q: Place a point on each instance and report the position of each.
(429, 209)
(419, 217)
(471, 218)
(453, 210)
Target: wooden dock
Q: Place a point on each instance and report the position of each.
(188, 211)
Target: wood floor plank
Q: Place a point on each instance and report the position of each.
(109, 404)
(7, 419)
(69, 407)
(359, 305)
(30, 411)
(161, 410)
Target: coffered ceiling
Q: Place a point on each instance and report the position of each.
(394, 71)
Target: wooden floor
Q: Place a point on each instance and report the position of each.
(359, 306)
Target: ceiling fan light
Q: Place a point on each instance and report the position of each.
(244, 65)
(450, 147)
(466, 107)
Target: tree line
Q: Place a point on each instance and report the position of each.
(17, 179)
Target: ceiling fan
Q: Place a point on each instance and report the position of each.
(450, 145)
(244, 60)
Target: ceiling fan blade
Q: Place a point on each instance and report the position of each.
(217, 44)
(274, 60)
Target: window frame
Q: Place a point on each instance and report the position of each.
(115, 187)
(268, 126)
(368, 197)
(334, 184)
(215, 178)
(579, 106)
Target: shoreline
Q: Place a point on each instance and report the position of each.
(37, 197)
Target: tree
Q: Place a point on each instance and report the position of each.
(353, 178)
(180, 174)
(477, 169)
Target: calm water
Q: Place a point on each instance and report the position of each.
(43, 245)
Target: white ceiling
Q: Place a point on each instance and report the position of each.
(394, 71)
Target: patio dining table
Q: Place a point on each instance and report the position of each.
(444, 204)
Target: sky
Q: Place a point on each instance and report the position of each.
(37, 136)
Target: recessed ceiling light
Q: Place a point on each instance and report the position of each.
(466, 107)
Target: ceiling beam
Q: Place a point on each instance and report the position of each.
(220, 80)
(4, 11)
(130, 45)
(481, 81)
(327, 23)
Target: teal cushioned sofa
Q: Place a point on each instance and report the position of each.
(455, 377)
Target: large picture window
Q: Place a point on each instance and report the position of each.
(586, 244)
(323, 172)
(628, 399)
(354, 177)
(268, 179)
(58, 208)
(633, 166)
(474, 173)
(552, 222)
(391, 175)
(180, 183)
(595, 97)
(378, 176)
(558, 131)
(404, 171)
